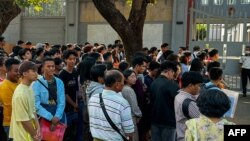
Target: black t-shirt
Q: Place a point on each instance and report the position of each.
(71, 86)
(53, 89)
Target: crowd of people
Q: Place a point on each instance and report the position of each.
(160, 96)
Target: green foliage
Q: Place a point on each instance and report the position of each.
(201, 31)
(129, 2)
(37, 4)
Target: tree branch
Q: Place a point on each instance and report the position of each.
(112, 15)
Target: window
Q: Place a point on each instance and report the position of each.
(218, 2)
(204, 2)
(245, 1)
(231, 2)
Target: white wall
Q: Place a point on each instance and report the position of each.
(51, 30)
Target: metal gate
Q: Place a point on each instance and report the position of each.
(224, 25)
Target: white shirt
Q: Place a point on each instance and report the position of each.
(245, 61)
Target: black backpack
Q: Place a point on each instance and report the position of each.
(185, 106)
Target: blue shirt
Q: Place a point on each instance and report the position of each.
(42, 97)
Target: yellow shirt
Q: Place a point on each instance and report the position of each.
(7, 89)
(23, 109)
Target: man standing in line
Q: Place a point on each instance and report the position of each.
(24, 124)
(7, 89)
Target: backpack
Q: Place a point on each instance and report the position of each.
(185, 106)
(204, 88)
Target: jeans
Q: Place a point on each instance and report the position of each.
(163, 133)
(7, 131)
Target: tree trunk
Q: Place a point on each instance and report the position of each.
(8, 11)
(131, 30)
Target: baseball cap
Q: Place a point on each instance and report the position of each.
(27, 65)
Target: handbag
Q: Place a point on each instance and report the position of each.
(48, 135)
(109, 120)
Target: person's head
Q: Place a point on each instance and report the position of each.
(2, 41)
(109, 65)
(154, 69)
(108, 57)
(153, 50)
(191, 82)
(28, 71)
(78, 51)
(130, 77)
(118, 42)
(88, 48)
(181, 49)
(145, 50)
(55, 53)
(123, 66)
(70, 46)
(96, 55)
(173, 57)
(58, 64)
(40, 52)
(139, 64)
(12, 66)
(213, 54)
(201, 55)
(196, 65)
(188, 55)
(110, 47)
(121, 48)
(28, 44)
(20, 43)
(84, 68)
(215, 74)
(169, 69)
(25, 54)
(97, 73)
(167, 53)
(69, 57)
(196, 48)
(16, 49)
(183, 59)
(247, 51)
(101, 49)
(212, 65)
(164, 47)
(114, 80)
(213, 104)
(48, 66)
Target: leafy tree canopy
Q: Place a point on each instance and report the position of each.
(37, 4)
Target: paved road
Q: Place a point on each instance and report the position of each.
(242, 114)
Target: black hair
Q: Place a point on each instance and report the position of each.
(11, 61)
(167, 53)
(145, 49)
(127, 73)
(109, 65)
(187, 53)
(153, 65)
(213, 52)
(201, 55)
(172, 57)
(117, 41)
(19, 42)
(54, 51)
(152, 49)
(94, 55)
(77, 48)
(97, 71)
(67, 53)
(196, 48)
(39, 51)
(183, 59)
(23, 52)
(123, 66)
(47, 60)
(69, 45)
(212, 65)
(106, 55)
(215, 73)
(1, 38)
(28, 43)
(213, 103)
(16, 49)
(110, 46)
(168, 65)
(191, 78)
(96, 44)
(84, 68)
(138, 61)
(183, 48)
(111, 77)
(196, 65)
(58, 61)
(164, 45)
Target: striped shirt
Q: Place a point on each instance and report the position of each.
(118, 110)
(193, 111)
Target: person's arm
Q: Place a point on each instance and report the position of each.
(127, 121)
(60, 99)
(29, 127)
(70, 101)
